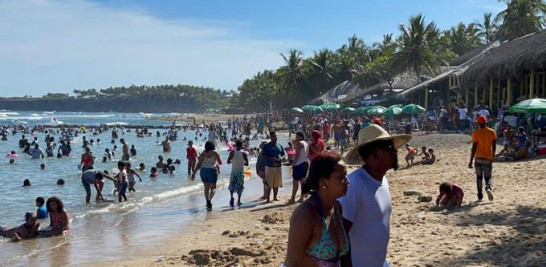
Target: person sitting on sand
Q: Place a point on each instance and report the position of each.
(508, 136)
(25, 231)
(316, 236)
(519, 154)
(59, 222)
(451, 195)
(424, 153)
(431, 159)
(411, 154)
(521, 138)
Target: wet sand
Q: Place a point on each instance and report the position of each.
(508, 231)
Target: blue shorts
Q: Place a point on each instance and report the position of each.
(87, 186)
(208, 175)
(123, 189)
(300, 171)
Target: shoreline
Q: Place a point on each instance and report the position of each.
(508, 231)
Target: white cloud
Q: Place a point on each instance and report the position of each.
(58, 46)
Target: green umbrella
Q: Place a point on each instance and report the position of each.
(376, 110)
(330, 106)
(535, 105)
(413, 109)
(348, 109)
(309, 107)
(396, 105)
(393, 111)
(362, 110)
(296, 109)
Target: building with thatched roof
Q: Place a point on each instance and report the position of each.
(515, 70)
(494, 75)
(445, 88)
(348, 91)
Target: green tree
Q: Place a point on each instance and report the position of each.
(521, 17)
(291, 75)
(418, 46)
(463, 38)
(488, 28)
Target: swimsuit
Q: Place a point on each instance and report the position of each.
(324, 252)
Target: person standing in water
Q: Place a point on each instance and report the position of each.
(191, 156)
(238, 159)
(126, 155)
(209, 174)
(87, 160)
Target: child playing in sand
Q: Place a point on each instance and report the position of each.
(424, 153)
(411, 154)
(431, 158)
(131, 173)
(451, 195)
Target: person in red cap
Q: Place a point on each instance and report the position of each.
(484, 144)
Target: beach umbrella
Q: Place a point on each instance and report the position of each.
(296, 109)
(330, 106)
(376, 110)
(308, 107)
(535, 105)
(362, 110)
(413, 109)
(396, 105)
(393, 110)
(348, 109)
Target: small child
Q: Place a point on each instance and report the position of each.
(42, 166)
(431, 159)
(424, 153)
(451, 195)
(131, 173)
(411, 154)
(290, 152)
(153, 172)
(122, 181)
(141, 167)
(41, 213)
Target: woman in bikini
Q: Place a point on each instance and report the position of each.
(87, 160)
(316, 236)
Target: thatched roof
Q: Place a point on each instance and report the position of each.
(511, 59)
(348, 91)
(468, 56)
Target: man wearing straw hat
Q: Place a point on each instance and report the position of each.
(367, 204)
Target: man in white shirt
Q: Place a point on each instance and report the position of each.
(367, 204)
(462, 118)
(300, 165)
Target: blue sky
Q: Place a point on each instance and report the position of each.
(61, 45)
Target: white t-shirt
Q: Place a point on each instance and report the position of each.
(304, 153)
(368, 206)
(484, 112)
(462, 113)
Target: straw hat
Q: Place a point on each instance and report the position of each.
(371, 134)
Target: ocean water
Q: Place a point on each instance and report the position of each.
(160, 207)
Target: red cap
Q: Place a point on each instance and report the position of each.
(481, 119)
(376, 121)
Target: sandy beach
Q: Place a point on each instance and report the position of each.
(509, 231)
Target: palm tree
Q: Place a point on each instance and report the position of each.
(488, 28)
(521, 17)
(292, 74)
(418, 46)
(463, 38)
(321, 70)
